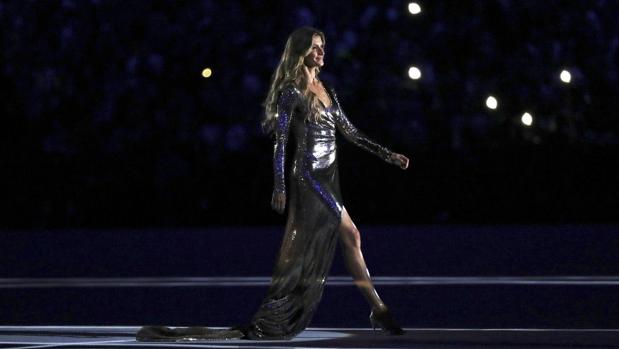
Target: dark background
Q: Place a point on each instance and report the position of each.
(118, 159)
(107, 121)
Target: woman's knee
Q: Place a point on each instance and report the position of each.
(349, 234)
(351, 238)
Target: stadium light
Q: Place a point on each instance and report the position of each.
(414, 73)
(414, 8)
(565, 76)
(527, 119)
(491, 102)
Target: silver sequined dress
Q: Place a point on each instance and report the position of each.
(314, 212)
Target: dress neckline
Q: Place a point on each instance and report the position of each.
(328, 96)
(323, 104)
(324, 87)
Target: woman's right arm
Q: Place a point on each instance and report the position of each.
(286, 103)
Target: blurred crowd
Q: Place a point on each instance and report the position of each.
(106, 111)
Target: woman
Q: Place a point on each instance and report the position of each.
(299, 105)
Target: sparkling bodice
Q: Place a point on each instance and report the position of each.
(315, 141)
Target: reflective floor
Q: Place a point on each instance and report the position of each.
(117, 336)
(449, 286)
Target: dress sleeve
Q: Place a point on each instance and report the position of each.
(288, 98)
(353, 135)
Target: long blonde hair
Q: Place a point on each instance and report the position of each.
(290, 70)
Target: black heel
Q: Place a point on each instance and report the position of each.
(372, 323)
(386, 322)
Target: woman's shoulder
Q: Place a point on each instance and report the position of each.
(289, 88)
(289, 94)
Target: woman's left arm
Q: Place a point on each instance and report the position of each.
(353, 135)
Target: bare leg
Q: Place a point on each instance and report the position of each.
(350, 240)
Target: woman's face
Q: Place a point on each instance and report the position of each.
(315, 58)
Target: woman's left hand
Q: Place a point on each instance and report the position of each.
(399, 160)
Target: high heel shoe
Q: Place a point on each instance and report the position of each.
(384, 320)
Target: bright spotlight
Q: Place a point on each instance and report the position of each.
(414, 8)
(207, 72)
(491, 102)
(565, 76)
(527, 119)
(414, 73)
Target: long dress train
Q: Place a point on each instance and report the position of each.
(314, 214)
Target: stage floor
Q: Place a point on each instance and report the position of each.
(450, 286)
(30, 337)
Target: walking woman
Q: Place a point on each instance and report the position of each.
(305, 115)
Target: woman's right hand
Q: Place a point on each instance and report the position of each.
(278, 202)
(399, 160)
